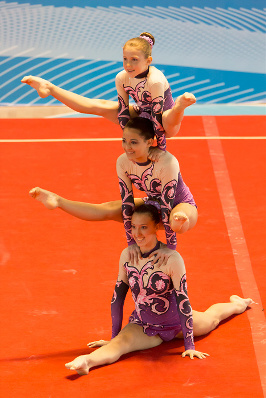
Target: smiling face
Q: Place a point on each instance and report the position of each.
(135, 61)
(144, 231)
(135, 146)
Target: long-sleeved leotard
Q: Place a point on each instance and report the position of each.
(152, 94)
(160, 295)
(162, 182)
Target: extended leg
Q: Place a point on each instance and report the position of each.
(92, 106)
(205, 322)
(172, 118)
(85, 211)
(131, 338)
(183, 217)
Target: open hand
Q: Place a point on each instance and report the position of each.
(134, 254)
(193, 353)
(162, 255)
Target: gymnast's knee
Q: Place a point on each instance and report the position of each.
(122, 343)
(214, 323)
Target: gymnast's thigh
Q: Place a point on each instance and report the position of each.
(134, 336)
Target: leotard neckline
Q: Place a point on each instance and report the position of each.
(156, 247)
(143, 74)
(144, 163)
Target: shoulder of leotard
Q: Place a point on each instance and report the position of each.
(176, 262)
(156, 76)
(122, 159)
(175, 256)
(167, 158)
(123, 163)
(121, 75)
(124, 258)
(124, 253)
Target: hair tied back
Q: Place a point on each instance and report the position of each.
(148, 39)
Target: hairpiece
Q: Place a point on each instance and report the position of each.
(148, 39)
(153, 203)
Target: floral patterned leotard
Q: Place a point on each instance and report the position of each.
(152, 95)
(162, 182)
(162, 305)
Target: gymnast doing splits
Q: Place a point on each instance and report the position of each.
(162, 308)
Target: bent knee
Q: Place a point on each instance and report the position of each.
(211, 323)
(172, 131)
(123, 343)
(215, 323)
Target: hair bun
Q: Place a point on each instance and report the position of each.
(148, 37)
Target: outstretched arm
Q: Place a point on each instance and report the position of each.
(82, 210)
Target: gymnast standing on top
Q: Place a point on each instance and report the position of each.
(147, 86)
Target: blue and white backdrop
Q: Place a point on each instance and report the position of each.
(212, 48)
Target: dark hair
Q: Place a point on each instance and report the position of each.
(148, 209)
(141, 43)
(143, 125)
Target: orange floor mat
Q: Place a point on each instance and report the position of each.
(58, 273)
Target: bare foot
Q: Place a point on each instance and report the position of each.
(185, 100)
(41, 86)
(49, 199)
(179, 218)
(80, 365)
(243, 303)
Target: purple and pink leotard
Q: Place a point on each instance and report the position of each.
(152, 95)
(163, 184)
(161, 302)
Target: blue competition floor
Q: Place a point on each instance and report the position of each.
(205, 110)
(226, 110)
